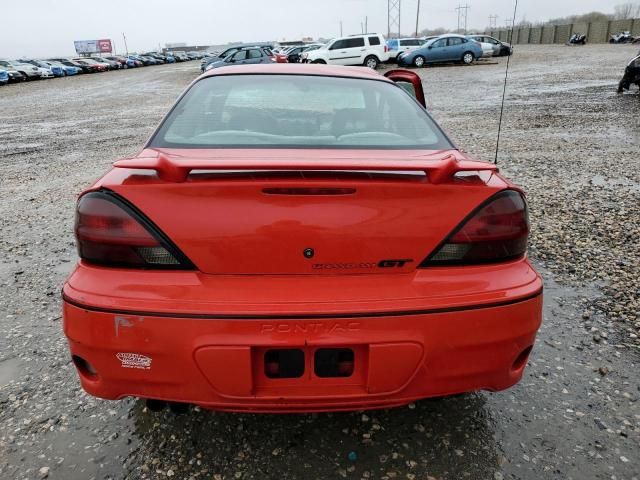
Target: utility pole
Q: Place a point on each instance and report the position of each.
(417, 17)
(493, 21)
(366, 24)
(393, 17)
(340, 27)
(362, 28)
(508, 27)
(125, 44)
(463, 12)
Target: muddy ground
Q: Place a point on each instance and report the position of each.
(567, 138)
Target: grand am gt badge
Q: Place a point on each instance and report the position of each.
(134, 360)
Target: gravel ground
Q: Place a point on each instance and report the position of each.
(567, 138)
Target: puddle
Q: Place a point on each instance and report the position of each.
(601, 181)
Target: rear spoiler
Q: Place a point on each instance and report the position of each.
(438, 171)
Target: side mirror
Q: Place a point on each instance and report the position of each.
(430, 47)
(410, 82)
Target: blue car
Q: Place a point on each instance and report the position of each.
(67, 69)
(4, 77)
(170, 59)
(56, 70)
(445, 48)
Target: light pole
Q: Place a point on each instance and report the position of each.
(417, 17)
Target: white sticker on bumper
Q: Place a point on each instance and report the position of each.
(134, 360)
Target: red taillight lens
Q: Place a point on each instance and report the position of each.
(110, 232)
(386, 49)
(496, 232)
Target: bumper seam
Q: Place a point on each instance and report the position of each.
(226, 316)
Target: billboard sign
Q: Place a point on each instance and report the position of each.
(87, 47)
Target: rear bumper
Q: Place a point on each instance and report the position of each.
(218, 362)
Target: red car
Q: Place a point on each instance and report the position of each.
(300, 238)
(97, 66)
(280, 58)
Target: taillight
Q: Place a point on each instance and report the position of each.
(497, 231)
(386, 49)
(111, 232)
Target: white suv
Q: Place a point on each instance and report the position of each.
(369, 49)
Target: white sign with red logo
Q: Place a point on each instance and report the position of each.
(93, 46)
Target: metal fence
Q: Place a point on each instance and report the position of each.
(596, 32)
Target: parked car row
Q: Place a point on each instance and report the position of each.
(369, 50)
(14, 71)
(454, 48)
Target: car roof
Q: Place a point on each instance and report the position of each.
(298, 69)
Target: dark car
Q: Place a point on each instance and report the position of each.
(177, 57)
(113, 64)
(631, 75)
(14, 76)
(245, 56)
(159, 57)
(121, 60)
(181, 56)
(146, 61)
(293, 54)
(99, 66)
(207, 60)
(84, 68)
(150, 60)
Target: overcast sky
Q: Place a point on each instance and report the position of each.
(39, 28)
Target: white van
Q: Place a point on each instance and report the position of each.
(369, 50)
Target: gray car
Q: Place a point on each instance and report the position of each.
(244, 56)
(30, 72)
(500, 49)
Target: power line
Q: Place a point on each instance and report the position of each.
(393, 17)
(493, 21)
(126, 48)
(463, 12)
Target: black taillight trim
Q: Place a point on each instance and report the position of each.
(427, 263)
(184, 263)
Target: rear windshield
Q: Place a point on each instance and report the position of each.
(297, 111)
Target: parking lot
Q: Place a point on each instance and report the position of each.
(568, 139)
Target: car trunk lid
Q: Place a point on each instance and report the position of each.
(298, 212)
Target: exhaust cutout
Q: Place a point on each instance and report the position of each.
(156, 405)
(178, 408)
